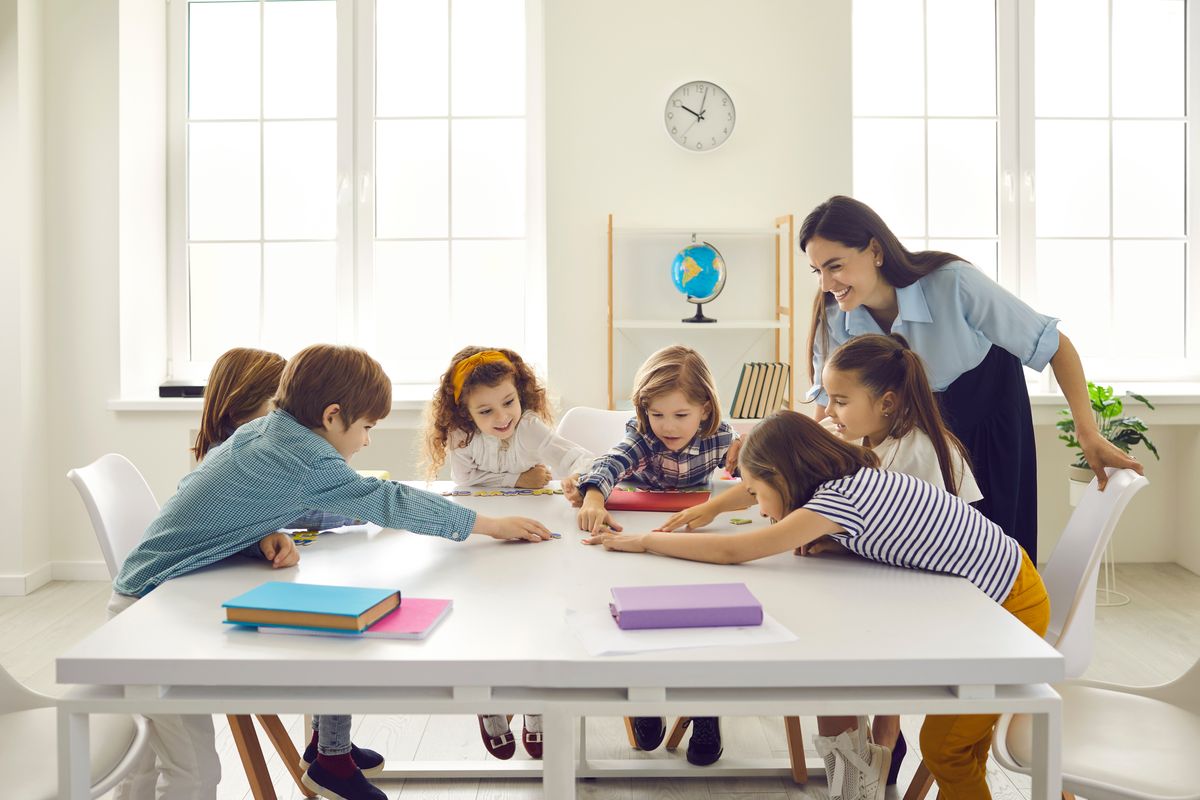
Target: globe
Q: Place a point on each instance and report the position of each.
(698, 272)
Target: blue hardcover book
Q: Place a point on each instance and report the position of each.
(308, 605)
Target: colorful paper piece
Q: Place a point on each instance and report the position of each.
(499, 492)
(740, 521)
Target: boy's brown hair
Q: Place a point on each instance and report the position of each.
(794, 455)
(676, 368)
(242, 379)
(323, 374)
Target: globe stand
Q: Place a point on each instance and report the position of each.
(698, 316)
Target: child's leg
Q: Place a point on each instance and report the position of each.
(187, 756)
(142, 778)
(333, 734)
(832, 726)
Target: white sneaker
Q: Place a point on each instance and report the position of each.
(855, 768)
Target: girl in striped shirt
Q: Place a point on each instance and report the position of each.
(815, 485)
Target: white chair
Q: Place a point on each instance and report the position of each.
(121, 506)
(594, 429)
(1070, 577)
(119, 503)
(29, 744)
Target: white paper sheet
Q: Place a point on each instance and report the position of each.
(600, 635)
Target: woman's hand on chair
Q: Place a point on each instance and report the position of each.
(1101, 453)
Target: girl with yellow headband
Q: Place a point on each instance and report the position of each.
(491, 415)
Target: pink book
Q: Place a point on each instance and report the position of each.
(413, 619)
(628, 499)
(701, 605)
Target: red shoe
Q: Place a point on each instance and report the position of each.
(502, 746)
(532, 741)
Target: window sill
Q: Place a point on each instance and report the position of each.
(1175, 403)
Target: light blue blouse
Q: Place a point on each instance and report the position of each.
(951, 318)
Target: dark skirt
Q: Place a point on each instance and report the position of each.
(988, 410)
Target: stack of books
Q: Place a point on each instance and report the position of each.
(760, 390)
(281, 607)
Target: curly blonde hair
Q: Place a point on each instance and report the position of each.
(445, 414)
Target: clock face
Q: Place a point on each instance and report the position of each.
(699, 116)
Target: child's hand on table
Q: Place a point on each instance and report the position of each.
(826, 544)
(512, 528)
(535, 477)
(691, 518)
(279, 549)
(571, 490)
(593, 516)
(626, 542)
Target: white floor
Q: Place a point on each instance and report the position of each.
(1151, 640)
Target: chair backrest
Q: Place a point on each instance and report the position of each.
(14, 696)
(119, 502)
(594, 429)
(1070, 575)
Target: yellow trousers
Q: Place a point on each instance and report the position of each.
(955, 748)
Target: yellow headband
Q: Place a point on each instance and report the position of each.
(470, 364)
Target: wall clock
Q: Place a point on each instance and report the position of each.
(699, 116)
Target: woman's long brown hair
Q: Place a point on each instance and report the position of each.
(887, 364)
(854, 224)
(794, 455)
(242, 379)
(445, 414)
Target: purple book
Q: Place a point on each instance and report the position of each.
(701, 605)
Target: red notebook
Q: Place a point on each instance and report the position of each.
(626, 498)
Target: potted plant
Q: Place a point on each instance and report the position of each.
(1123, 431)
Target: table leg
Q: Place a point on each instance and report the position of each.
(74, 756)
(1047, 753)
(558, 756)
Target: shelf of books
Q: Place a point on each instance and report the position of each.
(754, 313)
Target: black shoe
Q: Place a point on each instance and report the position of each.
(704, 747)
(898, 753)
(370, 762)
(648, 732)
(355, 787)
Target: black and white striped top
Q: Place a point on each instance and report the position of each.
(904, 521)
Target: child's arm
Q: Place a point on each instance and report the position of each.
(562, 456)
(795, 530)
(280, 549)
(733, 499)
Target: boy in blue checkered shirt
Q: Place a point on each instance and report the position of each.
(258, 481)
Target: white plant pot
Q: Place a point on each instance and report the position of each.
(1078, 479)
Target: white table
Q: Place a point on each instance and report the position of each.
(873, 639)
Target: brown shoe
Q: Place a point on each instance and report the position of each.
(502, 745)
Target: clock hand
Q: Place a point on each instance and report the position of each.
(693, 113)
(703, 100)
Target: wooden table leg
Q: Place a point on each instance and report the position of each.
(286, 749)
(795, 742)
(251, 752)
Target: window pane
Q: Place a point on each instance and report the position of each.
(1070, 53)
(888, 71)
(300, 59)
(412, 309)
(411, 171)
(1072, 178)
(223, 290)
(223, 61)
(488, 183)
(300, 173)
(1148, 58)
(1073, 284)
(980, 252)
(962, 177)
(223, 180)
(962, 57)
(412, 41)
(889, 171)
(1148, 298)
(488, 282)
(298, 280)
(1148, 178)
(487, 52)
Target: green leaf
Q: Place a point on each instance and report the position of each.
(1141, 399)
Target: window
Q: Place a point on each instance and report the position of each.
(359, 171)
(1047, 142)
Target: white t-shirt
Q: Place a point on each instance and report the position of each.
(914, 455)
(490, 461)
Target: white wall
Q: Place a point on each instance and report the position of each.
(24, 543)
(609, 69)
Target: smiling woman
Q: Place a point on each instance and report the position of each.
(973, 337)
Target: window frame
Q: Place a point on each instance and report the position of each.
(354, 303)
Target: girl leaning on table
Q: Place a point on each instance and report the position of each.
(814, 486)
(490, 414)
(675, 441)
(879, 398)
